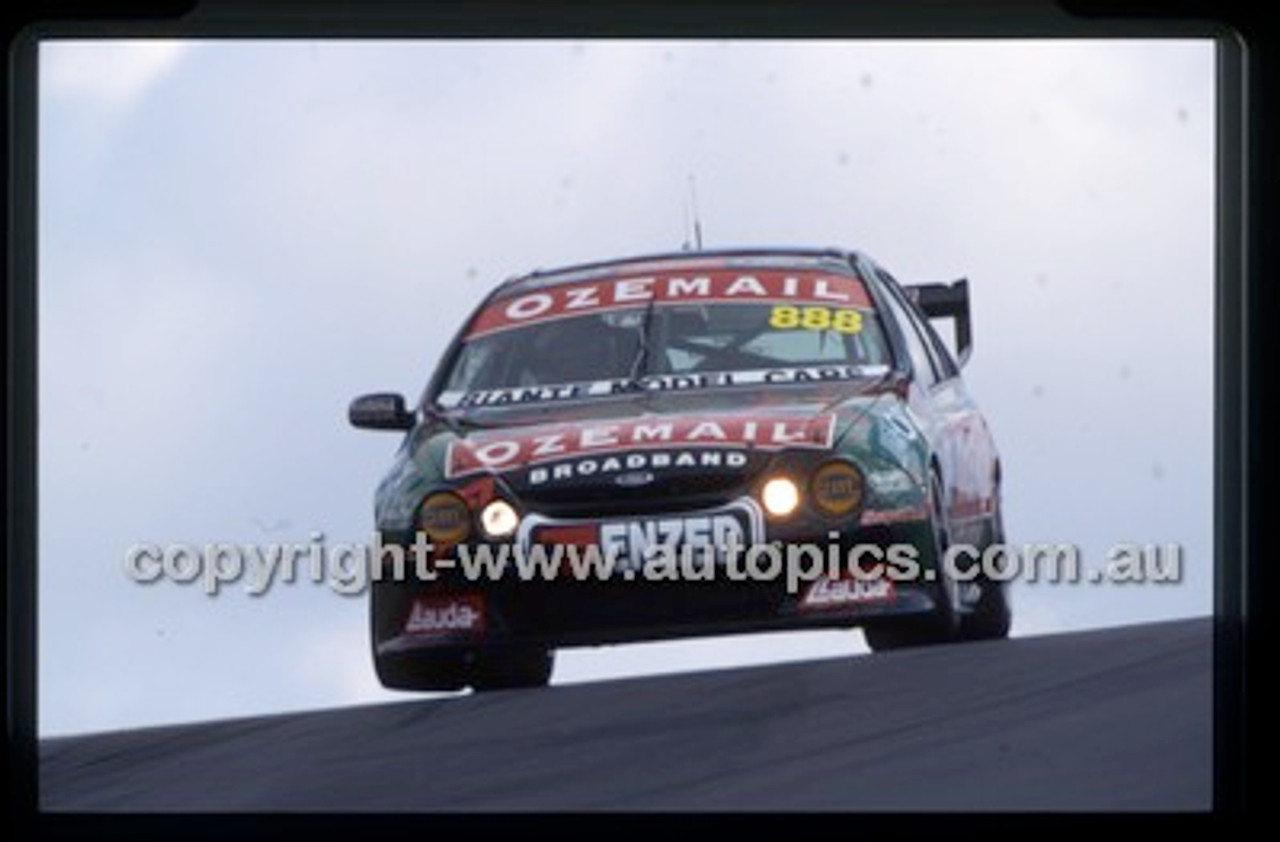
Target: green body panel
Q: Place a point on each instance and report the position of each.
(875, 431)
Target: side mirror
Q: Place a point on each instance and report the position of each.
(380, 411)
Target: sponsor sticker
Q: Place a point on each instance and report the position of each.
(790, 317)
(826, 592)
(505, 451)
(629, 470)
(446, 615)
(723, 286)
(904, 514)
(521, 395)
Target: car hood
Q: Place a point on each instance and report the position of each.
(679, 448)
(529, 443)
(844, 401)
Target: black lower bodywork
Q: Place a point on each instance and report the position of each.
(522, 622)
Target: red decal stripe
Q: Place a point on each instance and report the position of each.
(499, 452)
(575, 535)
(716, 286)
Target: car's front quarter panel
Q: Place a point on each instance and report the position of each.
(965, 455)
(887, 436)
(414, 471)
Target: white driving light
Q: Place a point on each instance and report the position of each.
(780, 496)
(499, 519)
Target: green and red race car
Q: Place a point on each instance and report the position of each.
(684, 444)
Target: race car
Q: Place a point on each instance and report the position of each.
(683, 444)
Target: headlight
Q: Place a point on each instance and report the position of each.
(499, 519)
(780, 496)
(445, 518)
(837, 488)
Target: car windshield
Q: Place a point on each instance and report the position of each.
(644, 342)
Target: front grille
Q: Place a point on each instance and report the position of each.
(668, 491)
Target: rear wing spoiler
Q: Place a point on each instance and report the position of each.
(947, 301)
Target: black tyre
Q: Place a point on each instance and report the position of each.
(508, 668)
(943, 624)
(425, 669)
(442, 670)
(991, 615)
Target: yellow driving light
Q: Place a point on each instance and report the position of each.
(499, 519)
(445, 518)
(780, 496)
(837, 488)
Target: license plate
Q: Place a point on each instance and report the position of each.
(634, 541)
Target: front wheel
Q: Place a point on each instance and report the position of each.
(943, 623)
(508, 668)
(442, 671)
(991, 616)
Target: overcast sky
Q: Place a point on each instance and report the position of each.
(236, 238)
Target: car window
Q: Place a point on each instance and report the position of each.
(945, 362)
(682, 338)
(922, 362)
(589, 334)
(732, 337)
(573, 350)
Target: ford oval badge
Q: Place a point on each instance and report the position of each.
(633, 479)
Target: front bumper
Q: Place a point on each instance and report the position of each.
(454, 610)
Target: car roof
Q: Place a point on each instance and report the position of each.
(828, 259)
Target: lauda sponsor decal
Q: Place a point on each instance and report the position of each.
(445, 615)
(714, 286)
(826, 592)
(498, 452)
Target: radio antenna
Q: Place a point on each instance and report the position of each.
(697, 222)
(687, 244)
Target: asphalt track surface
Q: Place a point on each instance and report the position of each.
(1114, 719)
